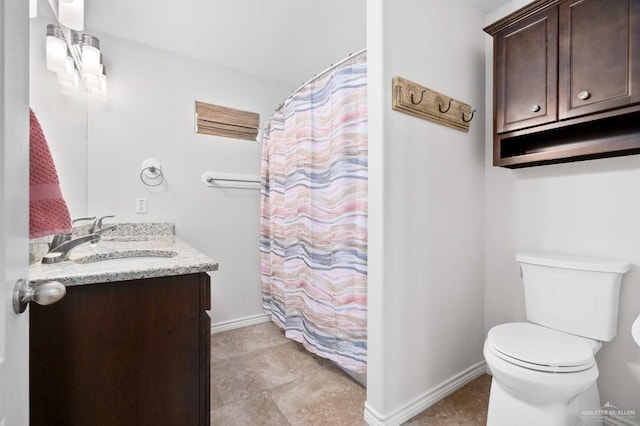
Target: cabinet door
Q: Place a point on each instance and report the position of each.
(599, 55)
(130, 353)
(526, 72)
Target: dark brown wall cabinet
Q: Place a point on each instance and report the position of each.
(566, 82)
(124, 353)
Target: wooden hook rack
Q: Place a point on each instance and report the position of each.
(422, 102)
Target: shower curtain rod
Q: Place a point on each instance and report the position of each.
(323, 72)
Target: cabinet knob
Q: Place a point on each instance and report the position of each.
(584, 95)
(534, 108)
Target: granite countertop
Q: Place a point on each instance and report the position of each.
(141, 251)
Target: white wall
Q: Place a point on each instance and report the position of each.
(63, 119)
(588, 208)
(99, 145)
(426, 223)
(149, 113)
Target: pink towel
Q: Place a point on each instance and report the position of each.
(48, 212)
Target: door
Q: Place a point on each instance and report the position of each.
(526, 72)
(599, 55)
(14, 216)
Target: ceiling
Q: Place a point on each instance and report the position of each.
(283, 41)
(488, 5)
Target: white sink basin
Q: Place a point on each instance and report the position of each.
(129, 261)
(127, 258)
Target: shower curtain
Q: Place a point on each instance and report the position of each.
(313, 230)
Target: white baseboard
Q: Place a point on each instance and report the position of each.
(424, 401)
(239, 323)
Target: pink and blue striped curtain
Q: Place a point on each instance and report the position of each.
(313, 231)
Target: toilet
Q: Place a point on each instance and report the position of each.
(544, 370)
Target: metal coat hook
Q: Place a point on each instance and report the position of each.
(448, 106)
(421, 98)
(422, 102)
(470, 118)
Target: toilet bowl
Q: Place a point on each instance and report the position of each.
(544, 370)
(541, 376)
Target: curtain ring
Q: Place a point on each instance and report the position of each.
(156, 174)
(421, 97)
(448, 106)
(470, 118)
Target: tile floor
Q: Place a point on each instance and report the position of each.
(259, 377)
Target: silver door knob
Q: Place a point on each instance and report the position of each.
(534, 108)
(584, 95)
(42, 294)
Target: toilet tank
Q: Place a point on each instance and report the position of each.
(575, 295)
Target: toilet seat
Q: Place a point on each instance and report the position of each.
(538, 348)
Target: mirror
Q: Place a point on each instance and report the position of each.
(160, 59)
(63, 118)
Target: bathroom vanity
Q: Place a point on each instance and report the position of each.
(129, 344)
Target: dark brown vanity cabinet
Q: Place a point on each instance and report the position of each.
(566, 82)
(123, 353)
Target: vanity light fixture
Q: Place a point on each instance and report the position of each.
(81, 56)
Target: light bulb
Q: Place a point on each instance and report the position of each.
(33, 8)
(56, 49)
(69, 90)
(103, 84)
(103, 81)
(90, 56)
(92, 84)
(68, 80)
(69, 76)
(96, 84)
(71, 14)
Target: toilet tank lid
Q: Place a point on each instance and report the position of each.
(574, 262)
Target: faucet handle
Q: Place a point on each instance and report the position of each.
(97, 223)
(64, 237)
(81, 219)
(59, 239)
(105, 229)
(98, 233)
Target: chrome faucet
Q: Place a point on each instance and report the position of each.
(60, 253)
